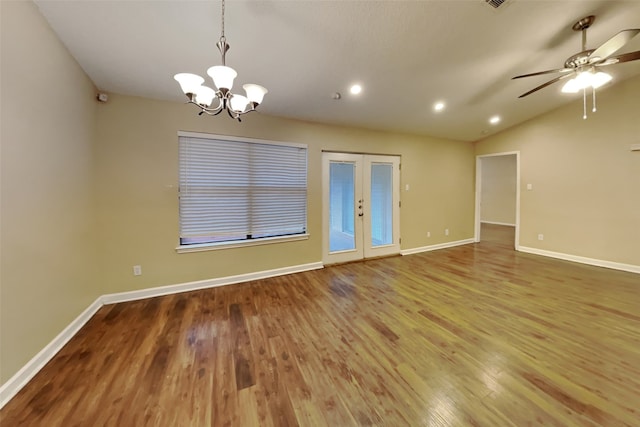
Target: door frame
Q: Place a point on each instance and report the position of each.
(348, 254)
(478, 207)
(362, 251)
(371, 251)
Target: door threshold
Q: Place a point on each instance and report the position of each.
(374, 258)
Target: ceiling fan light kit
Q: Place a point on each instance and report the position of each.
(583, 66)
(205, 97)
(586, 79)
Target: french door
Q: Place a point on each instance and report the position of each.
(361, 206)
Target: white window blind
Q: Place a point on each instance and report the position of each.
(234, 190)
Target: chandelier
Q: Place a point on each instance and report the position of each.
(213, 102)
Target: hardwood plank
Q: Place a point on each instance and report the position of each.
(242, 349)
(476, 335)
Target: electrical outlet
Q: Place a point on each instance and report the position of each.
(137, 270)
(428, 234)
(540, 236)
(446, 231)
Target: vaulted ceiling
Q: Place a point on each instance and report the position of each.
(406, 55)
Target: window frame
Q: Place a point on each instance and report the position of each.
(198, 247)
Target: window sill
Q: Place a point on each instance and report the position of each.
(240, 244)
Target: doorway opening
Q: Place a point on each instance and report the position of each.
(497, 216)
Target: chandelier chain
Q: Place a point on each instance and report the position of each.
(222, 37)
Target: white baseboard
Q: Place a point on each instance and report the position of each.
(497, 223)
(582, 260)
(203, 284)
(33, 366)
(436, 247)
(10, 388)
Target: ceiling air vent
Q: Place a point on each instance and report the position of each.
(495, 3)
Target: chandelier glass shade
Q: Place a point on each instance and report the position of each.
(213, 102)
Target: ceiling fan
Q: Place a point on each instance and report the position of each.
(583, 66)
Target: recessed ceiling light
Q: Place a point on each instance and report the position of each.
(355, 89)
(494, 120)
(438, 106)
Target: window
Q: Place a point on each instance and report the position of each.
(236, 190)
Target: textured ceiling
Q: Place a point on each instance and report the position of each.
(405, 54)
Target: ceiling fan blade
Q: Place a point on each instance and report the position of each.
(539, 73)
(542, 86)
(612, 45)
(625, 57)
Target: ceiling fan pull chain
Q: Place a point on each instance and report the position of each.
(594, 100)
(584, 103)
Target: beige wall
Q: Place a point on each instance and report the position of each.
(137, 177)
(586, 182)
(48, 274)
(498, 189)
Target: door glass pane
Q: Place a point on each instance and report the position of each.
(381, 204)
(341, 206)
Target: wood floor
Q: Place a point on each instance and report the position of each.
(477, 335)
(501, 235)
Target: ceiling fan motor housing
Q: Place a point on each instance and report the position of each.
(579, 59)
